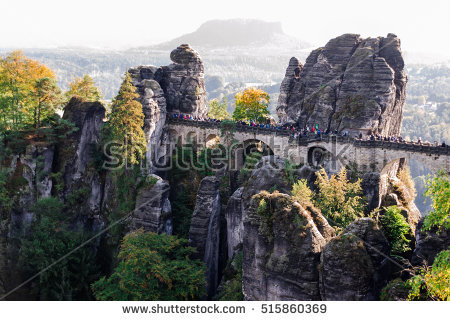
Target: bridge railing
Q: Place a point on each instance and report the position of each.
(311, 137)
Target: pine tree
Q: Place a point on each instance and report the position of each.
(126, 121)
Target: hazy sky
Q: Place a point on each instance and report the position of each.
(422, 26)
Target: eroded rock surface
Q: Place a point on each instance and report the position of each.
(355, 265)
(429, 244)
(281, 249)
(351, 84)
(204, 232)
(176, 88)
(153, 211)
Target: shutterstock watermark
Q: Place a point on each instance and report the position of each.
(200, 157)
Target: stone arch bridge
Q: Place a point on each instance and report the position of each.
(330, 151)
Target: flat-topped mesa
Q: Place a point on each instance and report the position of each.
(351, 84)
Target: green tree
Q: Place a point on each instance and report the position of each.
(84, 88)
(126, 121)
(218, 110)
(396, 230)
(49, 240)
(432, 283)
(339, 199)
(438, 189)
(251, 105)
(49, 98)
(153, 267)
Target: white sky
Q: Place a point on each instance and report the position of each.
(422, 26)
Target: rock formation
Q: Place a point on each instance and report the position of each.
(153, 211)
(395, 191)
(282, 246)
(176, 88)
(268, 174)
(351, 84)
(151, 96)
(429, 244)
(183, 82)
(235, 223)
(354, 265)
(74, 154)
(204, 232)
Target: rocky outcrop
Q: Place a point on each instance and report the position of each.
(290, 86)
(153, 211)
(183, 82)
(176, 88)
(269, 174)
(429, 244)
(235, 223)
(151, 96)
(355, 265)
(281, 248)
(204, 232)
(394, 191)
(351, 84)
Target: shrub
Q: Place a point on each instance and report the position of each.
(250, 162)
(301, 192)
(395, 290)
(153, 267)
(289, 172)
(396, 230)
(432, 283)
(438, 189)
(339, 200)
(405, 176)
(232, 289)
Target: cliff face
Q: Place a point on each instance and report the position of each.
(204, 231)
(351, 84)
(282, 246)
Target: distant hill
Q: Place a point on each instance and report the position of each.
(235, 33)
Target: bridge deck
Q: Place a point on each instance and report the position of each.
(310, 138)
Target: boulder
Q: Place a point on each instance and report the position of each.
(204, 231)
(355, 265)
(351, 84)
(281, 249)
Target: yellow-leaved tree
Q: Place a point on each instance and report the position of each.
(251, 105)
(28, 91)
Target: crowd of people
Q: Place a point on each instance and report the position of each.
(298, 133)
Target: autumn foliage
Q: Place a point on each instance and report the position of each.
(251, 105)
(28, 91)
